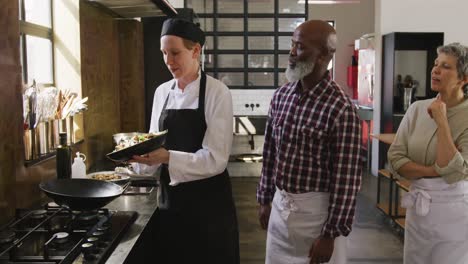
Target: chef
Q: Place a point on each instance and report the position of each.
(197, 221)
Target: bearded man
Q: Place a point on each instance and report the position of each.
(312, 157)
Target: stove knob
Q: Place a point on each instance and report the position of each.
(99, 244)
(92, 240)
(104, 228)
(101, 235)
(88, 251)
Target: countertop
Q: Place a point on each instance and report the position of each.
(145, 206)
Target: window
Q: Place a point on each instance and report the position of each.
(248, 40)
(36, 41)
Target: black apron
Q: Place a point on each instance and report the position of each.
(198, 222)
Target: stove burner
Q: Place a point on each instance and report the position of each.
(61, 237)
(38, 214)
(86, 215)
(52, 205)
(7, 236)
(103, 228)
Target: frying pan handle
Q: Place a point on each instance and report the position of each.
(125, 186)
(66, 207)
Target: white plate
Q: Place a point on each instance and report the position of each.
(122, 179)
(126, 171)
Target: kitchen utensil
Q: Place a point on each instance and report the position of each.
(81, 194)
(138, 149)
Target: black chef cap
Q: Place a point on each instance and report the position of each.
(184, 29)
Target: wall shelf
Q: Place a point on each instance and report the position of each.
(48, 156)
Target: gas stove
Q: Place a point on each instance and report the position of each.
(54, 234)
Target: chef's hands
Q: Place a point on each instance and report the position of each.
(264, 215)
(321, 250)
(161, 155)
(438, 111)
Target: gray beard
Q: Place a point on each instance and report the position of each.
(301, 70)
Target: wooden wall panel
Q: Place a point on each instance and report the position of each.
(132, 86)
(100, 72)
(11, 117)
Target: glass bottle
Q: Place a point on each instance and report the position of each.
(63, 158)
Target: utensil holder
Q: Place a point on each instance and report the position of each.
(35, 142)
(28, 144)
(70, 130)
(66, 125)
(55, 130)
(42, 131)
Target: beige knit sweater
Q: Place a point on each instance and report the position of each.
(416, 140)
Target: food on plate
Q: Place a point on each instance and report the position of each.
(106, 177)
(130, 141)
(126, 170)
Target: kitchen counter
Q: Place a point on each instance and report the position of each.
(145, 205)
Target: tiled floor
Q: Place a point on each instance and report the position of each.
(371, 241)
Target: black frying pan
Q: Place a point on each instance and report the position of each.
(81, 194)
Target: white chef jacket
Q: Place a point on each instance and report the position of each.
(212, 159)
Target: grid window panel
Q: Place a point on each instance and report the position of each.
(261, 6)
(242, 36)
(231, 78)
(261, 79)
(38, 12)
(230, 61)
(206, 24)
(209, 60)
(39, 59)
(290, 7)
(289, 24)
(262, 24)
(261, 61)
(201, 7)
(283, 60)
(208, 43)
(231, 43)
(261, 43)
(230, 6)
(284, 43)
(230, 24)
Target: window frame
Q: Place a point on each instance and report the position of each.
(31, 29)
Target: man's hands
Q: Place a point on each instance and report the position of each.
(321, 250)
(161, 155)
(264, 215)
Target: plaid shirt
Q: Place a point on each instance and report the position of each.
(313, 144)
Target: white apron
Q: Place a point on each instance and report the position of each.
(296, 220)
(436, 228)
